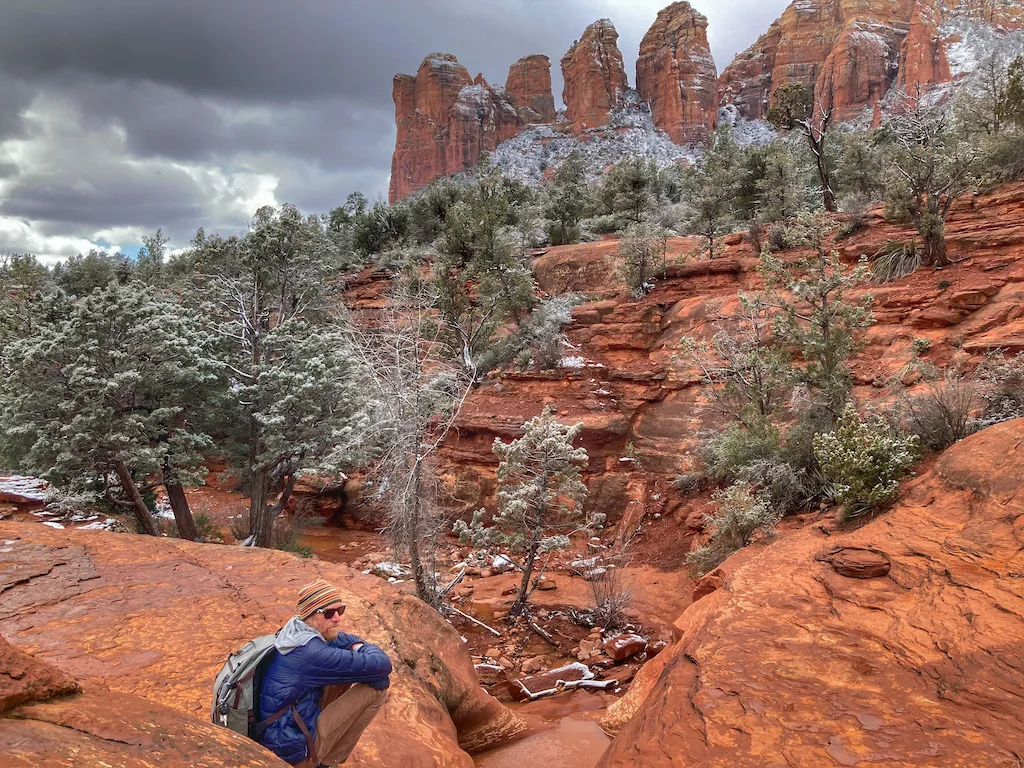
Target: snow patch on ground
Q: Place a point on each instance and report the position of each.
(745, 133)
(27, 488)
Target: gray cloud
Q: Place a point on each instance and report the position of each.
(145, 113)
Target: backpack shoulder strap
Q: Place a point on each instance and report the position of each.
(314, 759)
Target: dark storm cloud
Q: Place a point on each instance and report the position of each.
(211, 97)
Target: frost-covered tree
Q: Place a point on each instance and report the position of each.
(930, 166)
(268, 297)
(416, 394)
(780, 190)
(641, 252)
(23, 284)
(741, 513)
(81, 275)
(106, 394)
(540, 497)
(816, 315)
(793, 107)
(710, 189)
(149, 264)
(1010, 105)
(859, 176)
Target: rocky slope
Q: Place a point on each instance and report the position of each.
(138, 618)
(46, 721)
(676, 75)
(896, 643)
(623, 381)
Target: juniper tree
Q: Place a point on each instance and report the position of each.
(641, 252)
(710, 189)
(109, 390)
(567, 198)
(781, 190)
(268, 298)
(631, 188)
(540, 498)
(1010, 105)
(793, 107)
(817, 317)
(930, 166)
(23, 284)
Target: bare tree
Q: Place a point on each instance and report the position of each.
(417, 395)
(793, 107)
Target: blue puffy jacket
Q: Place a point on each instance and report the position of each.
(297, 674)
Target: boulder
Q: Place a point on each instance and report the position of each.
(676, 74)
(595, 77)
(856, 563)
(624, 646)
(156, 618)
(795, 661)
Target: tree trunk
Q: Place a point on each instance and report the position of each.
(827, 194)
(424, 586)
(182, 512)
(519, 607)
(145, 519)
(933, 233)
(261, 524)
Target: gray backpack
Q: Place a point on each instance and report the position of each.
(237, 688)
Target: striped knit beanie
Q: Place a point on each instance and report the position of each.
(315, 596)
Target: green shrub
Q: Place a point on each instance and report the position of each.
(741, 513)
(863, 462)
(727, 452)
(895, 260)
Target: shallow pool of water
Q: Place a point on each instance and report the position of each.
(572, 743)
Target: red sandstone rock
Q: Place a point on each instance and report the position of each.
(529, 88)
(798, 662)
(624, 646)
(707, 584)
(23, 678)
(676, 74)
(857, 563)
(595, 79)
(445, 120)
(156, 618)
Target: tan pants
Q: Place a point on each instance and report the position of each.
(345, 711)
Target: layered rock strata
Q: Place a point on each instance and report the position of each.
(793, 662)
(594, 75)
(155, 619)
(676, 75)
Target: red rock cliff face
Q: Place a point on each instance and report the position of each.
(676, 74)
(595, 78)
(529, 88)
(854, 44)
(446, 119)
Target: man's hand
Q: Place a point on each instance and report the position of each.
(355, 646)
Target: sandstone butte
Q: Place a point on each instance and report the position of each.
(529, 87)
(790, 663)
(676, 75)
(143, 625)
(861, 48)
(627, 384)
(594, 75)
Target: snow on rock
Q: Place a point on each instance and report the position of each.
(18, 488)
(388, 570)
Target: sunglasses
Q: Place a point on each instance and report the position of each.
(330, 613)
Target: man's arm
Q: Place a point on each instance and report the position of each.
(325, 664)
(346, 641)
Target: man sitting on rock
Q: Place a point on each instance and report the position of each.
(329, 684)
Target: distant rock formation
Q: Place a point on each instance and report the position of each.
(676, 75)
(595, 78)
(529, 88)
(859, 49)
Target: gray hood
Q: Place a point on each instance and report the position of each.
(295, 634)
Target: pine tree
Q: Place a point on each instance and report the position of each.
(540, 497)
(108, 390)
(816, 316)
(710, 189)
(567, 198)
(1010, 102)
(268, 297)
